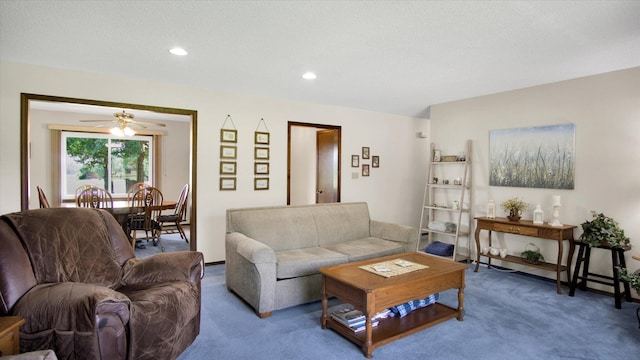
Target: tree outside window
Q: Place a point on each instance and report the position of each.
(105, 161)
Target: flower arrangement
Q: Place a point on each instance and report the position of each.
(514, 207)
(514, 204)
(603, 230)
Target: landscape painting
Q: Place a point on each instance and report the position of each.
(533, 157)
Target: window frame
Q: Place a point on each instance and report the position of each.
(65, 134)
(55, 132)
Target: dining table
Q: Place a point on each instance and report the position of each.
(122, 209)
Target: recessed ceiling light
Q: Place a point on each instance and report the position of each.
(309, 76)
(178, 51)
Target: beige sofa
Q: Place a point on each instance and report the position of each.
(273, 253)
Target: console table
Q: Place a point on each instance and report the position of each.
(528, 228)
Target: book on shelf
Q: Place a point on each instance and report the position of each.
(346, 313)
(363, 326)
(352, 318)
(352, 323)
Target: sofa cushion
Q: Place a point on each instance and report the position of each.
(307, 261)
(275, 226)
(337, 223)
(367, 248)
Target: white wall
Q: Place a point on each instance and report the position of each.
(606, 111)
(393, 191)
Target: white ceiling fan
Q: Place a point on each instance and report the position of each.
(124, 124)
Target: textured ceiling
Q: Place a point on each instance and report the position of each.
(395, 57)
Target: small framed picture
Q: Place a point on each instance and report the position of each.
(261, 153)
(261, 184)
(365, 153)
(355, 160)
(227, 152)
(227, 168)
(261, 138)
(228, 135)
(227, 183)
(375, 161)
(365, 169)
(261, 168)
(436, 155)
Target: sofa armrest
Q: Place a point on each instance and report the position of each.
(171, 266)
(251, 271)
(395, 232)
(251, 249)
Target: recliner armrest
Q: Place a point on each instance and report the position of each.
(172, 266)
(69, 306)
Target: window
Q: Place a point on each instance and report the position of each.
(104, 160)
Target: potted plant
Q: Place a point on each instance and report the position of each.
(514, 207)
(531, 254)
(633, 279)
(603, 230)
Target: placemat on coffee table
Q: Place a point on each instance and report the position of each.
(392, 267)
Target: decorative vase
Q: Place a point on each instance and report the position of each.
(514, 215)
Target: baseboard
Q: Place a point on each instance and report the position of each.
(214, 263)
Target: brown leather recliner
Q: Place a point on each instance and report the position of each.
(73, 276)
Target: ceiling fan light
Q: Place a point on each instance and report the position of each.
(309, 76)
(129, 131)
(178, 51)
(116, 131)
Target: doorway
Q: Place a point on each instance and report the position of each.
(56, 103)
(313, 163)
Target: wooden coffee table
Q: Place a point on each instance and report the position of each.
(372, 293)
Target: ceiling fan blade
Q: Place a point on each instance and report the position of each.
(103, 121)
(146, 123)
(136, 124)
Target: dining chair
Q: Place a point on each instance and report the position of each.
(95, 197)
(135, 187)
(145, 207)
(82, 188)
(174, 220)
(44, 203)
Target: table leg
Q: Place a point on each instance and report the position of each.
(585, 267)
(572, 247)
(615, 255)
(325, 303)
(369, 313)
(477, 248)
(623, 264)
(460, 304)
(559, 266)
(576, 274)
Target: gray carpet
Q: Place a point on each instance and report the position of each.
(508, 316)
(171, 242)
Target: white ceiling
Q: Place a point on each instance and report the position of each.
(395, 57)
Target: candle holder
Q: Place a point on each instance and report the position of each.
(556, 215)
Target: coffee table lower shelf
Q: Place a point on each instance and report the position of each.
(392, 328)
